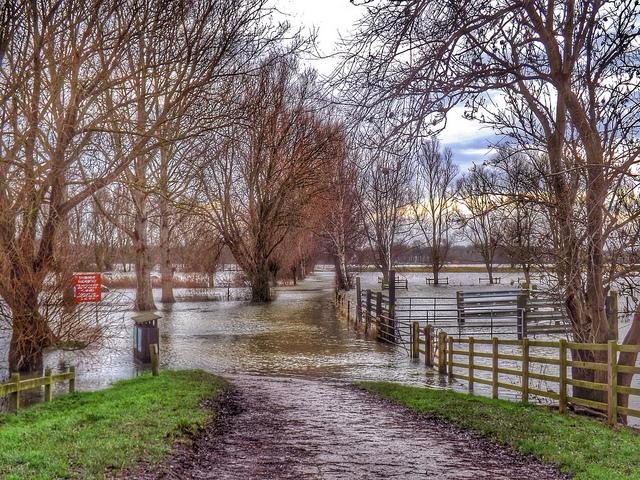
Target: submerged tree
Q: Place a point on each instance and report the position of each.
(260, 174)
(478, 213)
(434, 196)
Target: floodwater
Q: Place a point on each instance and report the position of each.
(298, 334)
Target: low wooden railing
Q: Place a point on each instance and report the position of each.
(529, 363)
(15, 385)
(443, 347)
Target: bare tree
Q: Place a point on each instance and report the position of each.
(384, 181)
(524, 206)
(478, 215)
(260, 175)
(434, 195)
(565, 75)
(60, 60)
(341, 225)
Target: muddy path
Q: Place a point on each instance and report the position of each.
(291, 428)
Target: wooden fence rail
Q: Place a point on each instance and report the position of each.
(15, 385)
(526, 363)
(449, 349)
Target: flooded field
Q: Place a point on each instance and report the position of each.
(299, 334)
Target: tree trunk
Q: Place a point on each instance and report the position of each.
(166, 267)
(629, 359)
(435, 266)
(144, 288)
(489, 267)
(260, 289)
(526, 269)
(342, 276)
(30, 331)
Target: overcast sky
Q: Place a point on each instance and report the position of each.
(333, 18)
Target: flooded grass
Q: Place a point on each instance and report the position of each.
(582, 447)
(95, 434)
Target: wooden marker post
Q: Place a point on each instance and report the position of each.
(72, 380)
(562, 377)
(358, 300)
(494, 367)
(48, 387)
(442, 353)
(15, 378)
(612, 382)
(428, 346)
(155, 361)
(392, 305)
(525, 370)
(415, 340)
(368, 316)
(471, 363)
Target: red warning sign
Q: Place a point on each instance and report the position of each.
(87, 287)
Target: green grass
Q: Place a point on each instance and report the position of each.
(580, 446)
(96, 434)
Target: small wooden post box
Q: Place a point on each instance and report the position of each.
(145, 334)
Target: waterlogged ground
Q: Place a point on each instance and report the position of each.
(298, 334)
(293, 413)
(294, 428)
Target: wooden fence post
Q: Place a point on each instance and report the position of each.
(562, 377)
(611, 307)
(442, 348)
(470, 357)
(428, 346)
(392, 304)
(358, 300)
(15, 378)
(378, 313)
(415, 340)
(368, 316)
(494, 369)
(154, 359)
(72, 380)
(521, 315)
(525, 370)
(460, 306)
(48, 387)
(612, 382)
(450, 355)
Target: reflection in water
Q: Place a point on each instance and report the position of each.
(297, 334)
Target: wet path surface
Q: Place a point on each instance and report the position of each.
(286, 428)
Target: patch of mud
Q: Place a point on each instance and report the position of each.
(286, 428)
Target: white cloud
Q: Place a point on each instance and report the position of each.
(461, 130)
(477, 152)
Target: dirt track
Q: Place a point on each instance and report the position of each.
(290, 428)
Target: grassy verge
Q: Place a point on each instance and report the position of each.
(580, 446)
(95, 434)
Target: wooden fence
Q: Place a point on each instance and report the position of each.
(517, 312)
(525, 362)
(441, 281)
(15, 385)
(445, 351)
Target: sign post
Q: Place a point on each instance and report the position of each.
(87, 287)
